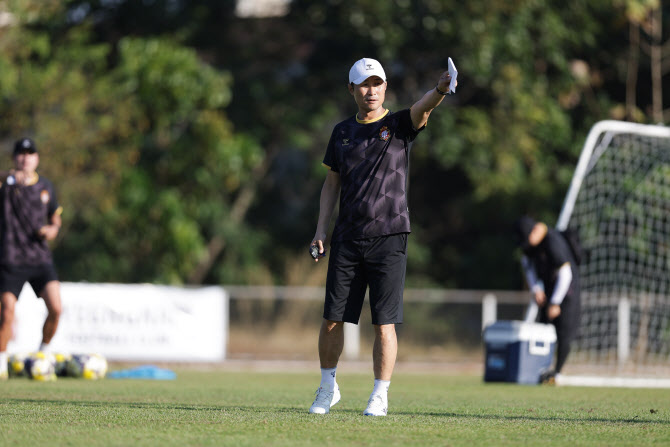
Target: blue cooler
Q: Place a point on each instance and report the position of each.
(517, 351)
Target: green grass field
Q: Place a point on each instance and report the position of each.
(220, 408)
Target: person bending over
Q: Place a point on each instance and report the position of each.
(553, 278)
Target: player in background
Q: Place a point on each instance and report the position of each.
(553, 278)
(367, 157)
(29, 217)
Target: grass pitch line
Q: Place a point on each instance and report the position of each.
(612, 382)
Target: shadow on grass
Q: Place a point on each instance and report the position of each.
(252, 409)
(135, 405)
(633, 420)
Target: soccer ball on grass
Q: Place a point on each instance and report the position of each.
(41, 366)
(87, 366)
(16, 365)
(61, 364)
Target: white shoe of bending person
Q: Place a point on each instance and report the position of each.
(377, 406)
(324, 400)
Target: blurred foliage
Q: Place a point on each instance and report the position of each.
(185, 139)
(134, 135)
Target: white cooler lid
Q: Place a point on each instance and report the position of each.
(506, 331)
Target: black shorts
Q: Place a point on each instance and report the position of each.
(353, 266)
(13, 277)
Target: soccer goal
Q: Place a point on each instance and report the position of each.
(619, 203)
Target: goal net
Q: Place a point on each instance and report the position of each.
(619, 203)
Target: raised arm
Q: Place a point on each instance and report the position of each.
(329, 194)
(420, 111)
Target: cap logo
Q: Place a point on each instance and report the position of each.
(368, 66)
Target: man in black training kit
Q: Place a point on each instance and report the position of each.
(553, 279)
(29, 217)
(367, 157)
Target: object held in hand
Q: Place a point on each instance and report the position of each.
(314, 252)
(454, 74)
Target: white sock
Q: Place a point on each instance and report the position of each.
(3, 361)
(44, 347)
(381, 387)
(328, 378)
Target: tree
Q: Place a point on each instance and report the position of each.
(224, 187)
(135, 137)
(648, 16)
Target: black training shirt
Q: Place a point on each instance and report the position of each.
(372, 159)
(25, 209)
(549, 256)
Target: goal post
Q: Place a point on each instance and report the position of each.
(599, 137)
(619, 203)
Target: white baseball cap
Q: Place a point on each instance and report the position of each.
(364, 68)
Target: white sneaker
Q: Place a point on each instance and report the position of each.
(377, 406)
(324, 400)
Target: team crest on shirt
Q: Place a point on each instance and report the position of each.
(384, 133)
(345, 141)
(44, 196)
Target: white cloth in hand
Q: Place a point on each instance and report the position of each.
(454, 74)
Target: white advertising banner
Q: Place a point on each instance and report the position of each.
(133, 322)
